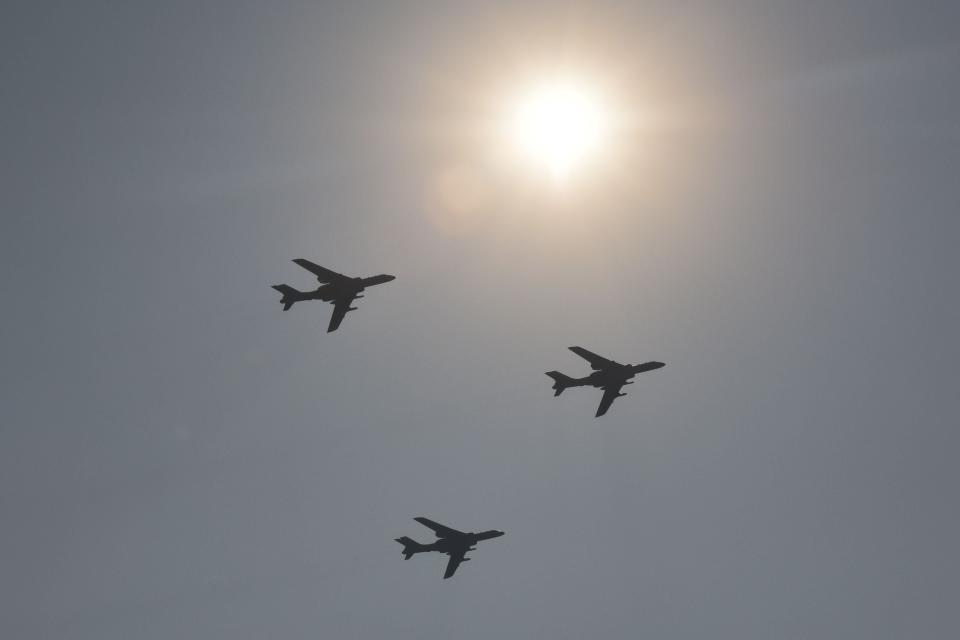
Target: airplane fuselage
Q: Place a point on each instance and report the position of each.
(618, 375)
(608, 375)
(451, 545)
(460, 544)
(621, 373)
(333, 290)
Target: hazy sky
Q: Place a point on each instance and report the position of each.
(181, 459)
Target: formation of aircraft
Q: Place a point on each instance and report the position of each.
(334, 287)
(454, 543)
(608, 375)
(341, 291)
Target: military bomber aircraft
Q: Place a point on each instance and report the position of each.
(454, 543)
(608, 375)
(334, 287)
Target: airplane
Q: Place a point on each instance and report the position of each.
(608, 375)
(334, 287)
(454, 543)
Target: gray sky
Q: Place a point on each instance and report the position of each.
(180, 459)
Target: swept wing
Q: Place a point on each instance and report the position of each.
(455, 559)
(610, 393)
(441, 530)
(340, 308)
(597, 362)
(323, 274)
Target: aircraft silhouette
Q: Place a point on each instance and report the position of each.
(454, 543)
(336, 288)
(608, 375)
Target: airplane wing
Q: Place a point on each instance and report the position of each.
(610, 393)
(323, 274)
(380, 279)
(340, 308)
(597, 362)
(455, 559)
(439, 529)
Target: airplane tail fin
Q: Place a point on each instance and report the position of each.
(560, 381)
(290, 295)
(410, 547)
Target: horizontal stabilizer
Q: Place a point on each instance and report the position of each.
(290, 295)
(410, 546)
(560, 382)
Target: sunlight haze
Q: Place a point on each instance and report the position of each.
(761, 194)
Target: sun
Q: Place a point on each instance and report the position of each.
(558, 126)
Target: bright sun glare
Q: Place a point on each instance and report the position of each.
(558, 126)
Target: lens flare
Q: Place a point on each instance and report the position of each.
(558, 126)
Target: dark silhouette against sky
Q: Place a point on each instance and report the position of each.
(454, 543)
(335, 288)
(181, 459)
(609, 375)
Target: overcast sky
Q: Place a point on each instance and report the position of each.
(182, 459)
